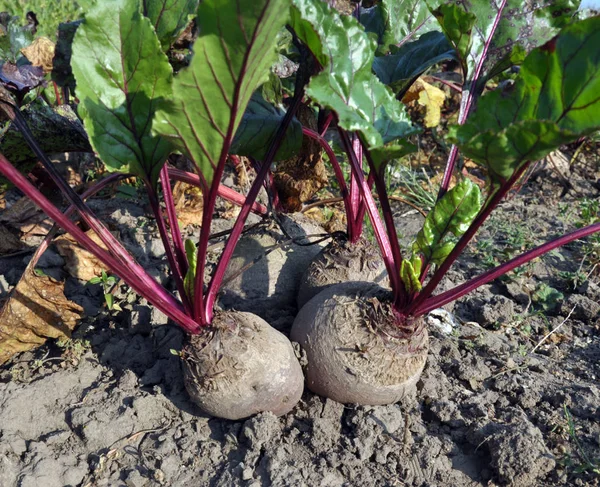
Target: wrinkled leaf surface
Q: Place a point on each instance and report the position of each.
(346, 84)
(121, 71)
(451, 216)
(555, 100)
(232, 57)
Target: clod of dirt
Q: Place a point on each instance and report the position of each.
(518, 452)
(240, 367)
(355, 349)
(341, 261)
(268, 287)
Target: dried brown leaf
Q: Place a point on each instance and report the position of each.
(79, 263)
(298, 179)
(36, 310)
(40, 53)
(428, 96)
(188, 203)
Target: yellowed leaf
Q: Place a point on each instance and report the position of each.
(79, 263)
(428, 96)
(36, 310)
(40, 53)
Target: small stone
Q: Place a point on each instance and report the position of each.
(247, 473)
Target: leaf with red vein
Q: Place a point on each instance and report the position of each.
(120, 71)
(232, 57)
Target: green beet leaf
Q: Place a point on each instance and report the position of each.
(346, 84)
(393, 20)
(191, 252)
(258, 127)
(410, 272)
(232, 57)
(13, 38)
(450, 217)
(120, 71)
(499, 28)
(62, 73)
(399, 69)
(555, 100)
(169, 18)
(457, 24)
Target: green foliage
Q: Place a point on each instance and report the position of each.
(49, 13)
(169, 18)
(120, 71)
(410, 273)
(192, 257)
(554, 101)
(457, 25)
(451, 216)
(547, 298)
(257, 129)
(233, 54)
(346, 84)
(13, 37)
(393, 20)
(107, 282)
(399, 69)
(497, 34)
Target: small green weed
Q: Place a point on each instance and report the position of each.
(581, 462)
(107, 282)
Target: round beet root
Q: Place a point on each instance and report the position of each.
(342, 261)
(241, 366)
(269, 287)
(355, 348)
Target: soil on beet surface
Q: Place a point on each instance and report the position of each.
(113, 411)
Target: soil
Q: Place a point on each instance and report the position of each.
(109, 407)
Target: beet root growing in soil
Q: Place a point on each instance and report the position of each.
(341, 261)
(356, 350)
(241, 366)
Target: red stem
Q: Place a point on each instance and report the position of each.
(339, 175)
(326, 124)
(467, 99)
(400, 294)
(107, 238)
(224, 192)
(164, 236)
(138, 279)
(378, 226)
(238, 227)
(173, 222)
(459, 291)
(96, 188)
(439, 274)
(354, 228)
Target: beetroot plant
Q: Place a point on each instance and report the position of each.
(136, 113)
(366, 344)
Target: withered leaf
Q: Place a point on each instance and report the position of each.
(298, 179)
(188, 203)
(428, 96)
(36, 310)
(21, 78)
(40, 53)
(79, 263)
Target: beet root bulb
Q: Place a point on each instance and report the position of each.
(241, 366)
(356, 349)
